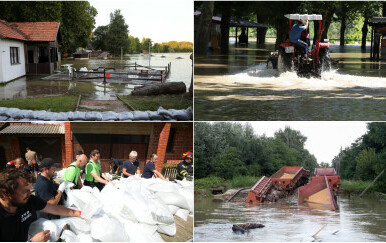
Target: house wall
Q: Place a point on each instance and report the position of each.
(8, 71)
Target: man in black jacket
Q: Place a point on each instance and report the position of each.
(18, 207)
(185, 168)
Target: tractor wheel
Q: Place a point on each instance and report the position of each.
(325, 60)
(285, 60)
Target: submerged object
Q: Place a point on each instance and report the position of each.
(322, 189)
(285, 180)
(242, 228)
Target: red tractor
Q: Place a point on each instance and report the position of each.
(293, 55)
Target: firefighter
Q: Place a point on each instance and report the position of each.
(185, 168)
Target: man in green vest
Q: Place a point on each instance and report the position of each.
(72, 173)
(94, 176)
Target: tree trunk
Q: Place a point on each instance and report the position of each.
(203, 33)
(282, 31)
(157, 89)
(384, 9)
(326, 22)
(225, 22)
(342, 29)
(364, 33)
(260, 31)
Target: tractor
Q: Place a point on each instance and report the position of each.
(292, 55)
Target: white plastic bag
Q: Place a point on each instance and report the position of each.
(182, 213)
(108, 228)
(69, 236)
(42, 225)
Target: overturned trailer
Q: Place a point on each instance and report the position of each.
(322, 189)
(283, 182)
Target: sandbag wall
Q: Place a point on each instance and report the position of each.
(15, 114)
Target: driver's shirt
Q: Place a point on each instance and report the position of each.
(296, 32)
(14, 226)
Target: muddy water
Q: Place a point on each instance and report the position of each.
(357, 220)
(181, 70)
(238, 86)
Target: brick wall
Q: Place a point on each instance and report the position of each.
(68, 158)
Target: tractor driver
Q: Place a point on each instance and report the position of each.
(296, 36)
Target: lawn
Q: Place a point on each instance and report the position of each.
(151, 103)
(55, 104)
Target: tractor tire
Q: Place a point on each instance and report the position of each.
(325, 60)
(285, 60)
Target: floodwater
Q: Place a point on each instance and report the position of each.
(238, 86)
(181, 70)
(356, 220)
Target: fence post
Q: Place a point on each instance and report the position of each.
(104, 75)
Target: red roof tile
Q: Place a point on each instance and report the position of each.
(8, 31)
(38, 31)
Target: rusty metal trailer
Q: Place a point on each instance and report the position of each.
(283, 181)
(322, 189)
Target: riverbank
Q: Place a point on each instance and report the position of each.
(152, 103)
(204, 187)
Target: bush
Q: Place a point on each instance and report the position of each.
(355, 186)
(242, 181)
(208, 182)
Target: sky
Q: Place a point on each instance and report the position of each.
(162, 21)
(324, 139)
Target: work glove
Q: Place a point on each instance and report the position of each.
(65, 185)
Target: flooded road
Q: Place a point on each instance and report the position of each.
(357, 220)
(238, 86)
(181, 70)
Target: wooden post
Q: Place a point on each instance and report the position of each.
(247, 35)
(104, 75)
(376, 178)
(371, 47)
(135, 65)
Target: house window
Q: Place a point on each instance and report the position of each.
(14, 55)
(169, 147)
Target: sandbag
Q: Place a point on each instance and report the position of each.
(69, 236)
(78, 115)
(140, 115)
(77, 225)
(153, 115)
(165, 113)
(182, 213)
(175, 199)
(180, 115)
(170, 229)
(3, 118)
(173, 209)
(42, 225)
(125, 116)
(148, 232)
(109, 116)
(108, 228)
(10, 112)
(3, 111)
(93, 116)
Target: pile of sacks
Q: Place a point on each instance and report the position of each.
(131, 209)
(15, 114)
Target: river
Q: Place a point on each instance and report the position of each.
(33, 86)
(356, 220)
(238, 86)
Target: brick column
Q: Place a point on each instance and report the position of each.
(162, 144)
(68, 144)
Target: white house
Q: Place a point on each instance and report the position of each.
(28, 48)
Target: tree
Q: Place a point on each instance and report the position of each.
(202, 37)
(117, 34)
(99, 38)
(145, 44)
(228, 164)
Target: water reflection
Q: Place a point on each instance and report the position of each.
(33, 86)
(357, 220)
(229, 89)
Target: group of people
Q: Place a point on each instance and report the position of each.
(19, 208)
(299, 35)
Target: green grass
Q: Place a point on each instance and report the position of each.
(55, 104)
(151, 103)
(235, 182)
(355, 186)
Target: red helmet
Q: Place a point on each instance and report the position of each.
(187, 155)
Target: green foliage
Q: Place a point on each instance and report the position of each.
(55, 104)
(169, 166)
(117, 34)
(242, 181)
(355, 186)
(208, 182)
(99, 39)
(134, 45)
(365, 158)
(173, 46)
(229, 150)
(77, 18)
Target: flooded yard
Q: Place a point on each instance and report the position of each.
(356, 220)
(33, 86)
(238, 86)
